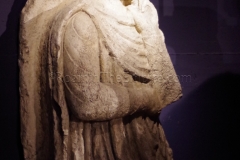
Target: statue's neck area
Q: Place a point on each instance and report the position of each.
(126, 2)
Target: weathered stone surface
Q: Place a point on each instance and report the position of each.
(94, 76)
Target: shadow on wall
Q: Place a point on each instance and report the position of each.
(204, 124)
(9, 39)
(10, 147)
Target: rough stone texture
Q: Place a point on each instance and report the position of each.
(94, 76)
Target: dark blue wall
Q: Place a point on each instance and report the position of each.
(204, 43)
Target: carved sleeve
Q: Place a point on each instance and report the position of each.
(88, 98)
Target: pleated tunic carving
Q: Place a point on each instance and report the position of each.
(85, 79)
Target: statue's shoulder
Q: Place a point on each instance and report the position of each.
(81, 36)
(82, 25)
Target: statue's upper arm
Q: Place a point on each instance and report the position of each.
(81, 50)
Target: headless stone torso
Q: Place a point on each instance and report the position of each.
(133, 137)
(107, 57)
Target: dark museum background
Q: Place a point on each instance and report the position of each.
(203, 39)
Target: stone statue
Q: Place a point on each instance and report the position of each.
(94, 76)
